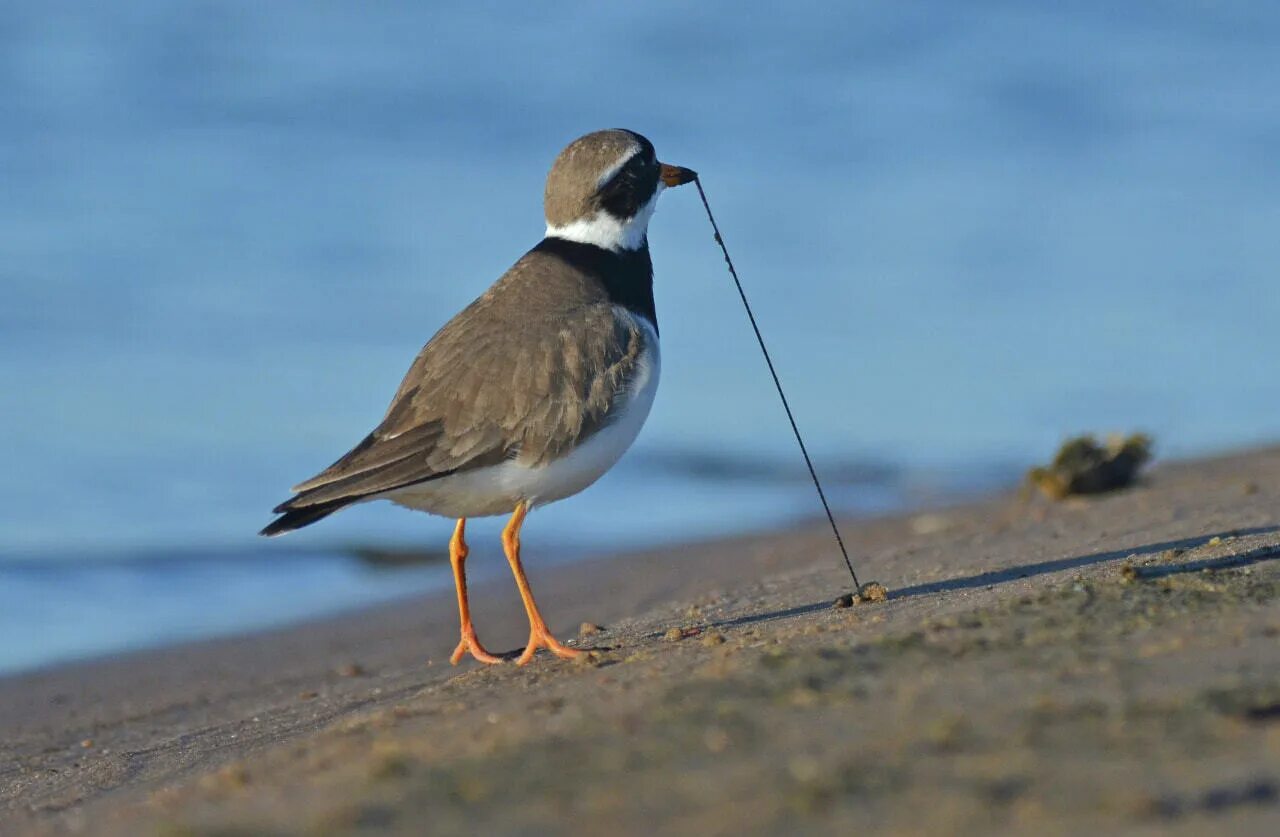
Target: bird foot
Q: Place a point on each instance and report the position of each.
(544, 639)
(471, 644)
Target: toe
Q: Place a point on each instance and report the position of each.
(547, 641)
(477, 651)
(484, 656)
(564, 652)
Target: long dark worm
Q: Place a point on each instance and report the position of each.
(778, 384)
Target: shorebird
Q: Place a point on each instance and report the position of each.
(535, 389)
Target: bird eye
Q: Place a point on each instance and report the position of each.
(629, 170)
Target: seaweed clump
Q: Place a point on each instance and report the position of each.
(1083, 465)
(869, 593)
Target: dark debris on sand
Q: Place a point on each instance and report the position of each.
(1083, 465)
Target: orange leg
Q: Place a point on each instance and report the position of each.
(539, 636)
(458, 560)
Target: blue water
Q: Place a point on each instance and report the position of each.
(968, 230)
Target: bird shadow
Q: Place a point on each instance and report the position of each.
(1007, 574)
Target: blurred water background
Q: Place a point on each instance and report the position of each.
(968, 230)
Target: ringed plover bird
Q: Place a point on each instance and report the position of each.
(535, 389)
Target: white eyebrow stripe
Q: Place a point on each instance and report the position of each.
(617, 167)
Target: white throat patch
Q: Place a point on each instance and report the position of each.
(607, 232)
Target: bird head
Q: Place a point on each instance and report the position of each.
(603, 188)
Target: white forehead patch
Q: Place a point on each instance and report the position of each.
(608, 173)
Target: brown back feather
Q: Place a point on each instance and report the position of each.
(527, 371)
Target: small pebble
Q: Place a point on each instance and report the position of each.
(929, 524)
(390, 765)
(673, 634)
(716, 638)
(716, 739)
(87, 743)
(589, 629)
(804, 769)
(873, 591)
(230, 777)
(350, 670)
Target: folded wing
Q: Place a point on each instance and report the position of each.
(485, 389)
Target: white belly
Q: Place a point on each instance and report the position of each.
(497, 488)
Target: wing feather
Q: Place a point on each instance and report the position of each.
(499, 381)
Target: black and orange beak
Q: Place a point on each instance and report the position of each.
(677, 175)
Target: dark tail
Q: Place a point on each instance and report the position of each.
(297, 517)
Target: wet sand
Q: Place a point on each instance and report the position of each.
(1109, 663)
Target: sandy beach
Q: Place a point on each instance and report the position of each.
(1109, 663)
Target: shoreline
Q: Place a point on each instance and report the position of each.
(133, 741)
(156, 598)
